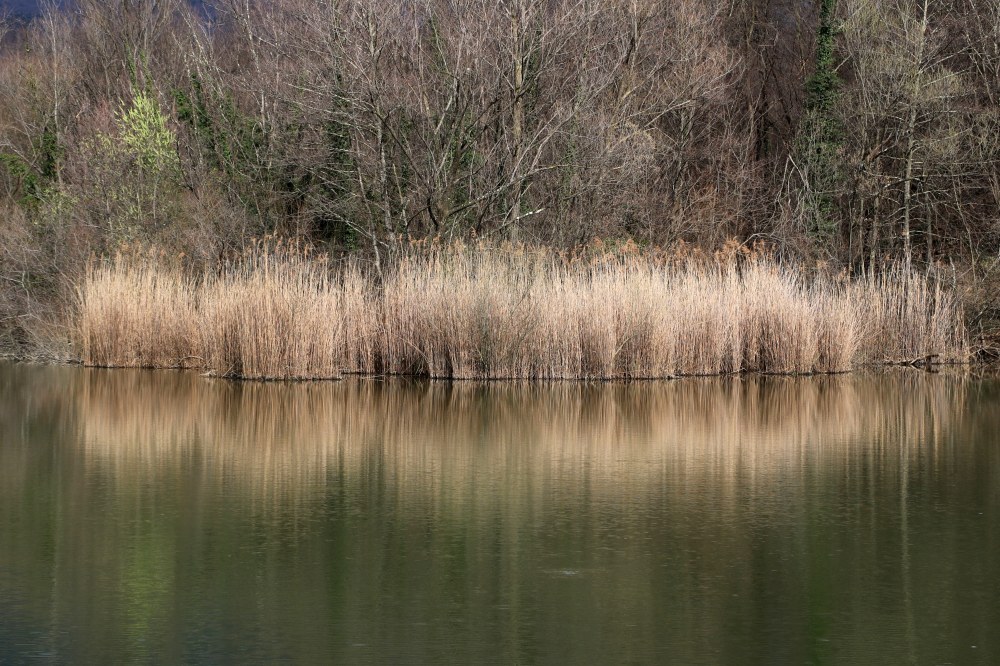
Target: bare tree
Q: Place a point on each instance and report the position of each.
(906, 118)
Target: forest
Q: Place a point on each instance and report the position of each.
(841, 136)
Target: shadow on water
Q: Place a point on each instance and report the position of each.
(164, 516)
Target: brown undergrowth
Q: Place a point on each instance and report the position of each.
(504, 312)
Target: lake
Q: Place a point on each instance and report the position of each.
(164, 517)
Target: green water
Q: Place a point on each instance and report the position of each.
(161, 517)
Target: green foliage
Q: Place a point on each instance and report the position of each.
(144, 134)
(51, 153)
(192, 110)
(821, 136)
(335, 178)
(35, 183)
(135, 170)
(231, 142)
(30, 184)
(822, 86)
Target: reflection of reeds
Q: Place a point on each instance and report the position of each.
(487, 314)
(450, 439)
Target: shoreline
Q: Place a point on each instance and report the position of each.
(881, 368)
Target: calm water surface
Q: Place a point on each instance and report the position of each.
(159, 517)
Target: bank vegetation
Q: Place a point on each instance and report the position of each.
(506, 312)
(856, 134)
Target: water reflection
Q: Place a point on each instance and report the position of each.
(165, 516)
(444, 440)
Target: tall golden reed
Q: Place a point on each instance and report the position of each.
(136, 313)
(474, 314)
(272, 316)
(511, 312)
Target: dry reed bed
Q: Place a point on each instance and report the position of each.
(487, 313)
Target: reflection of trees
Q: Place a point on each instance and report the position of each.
(561, 522)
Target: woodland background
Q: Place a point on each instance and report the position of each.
(841, 133)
